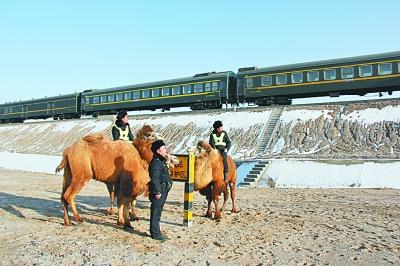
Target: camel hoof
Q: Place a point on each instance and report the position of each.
(128, 227)
(68, 224)
(110, 211)
(79, 220)
(120, 223)
(134, 218)
(234, 211)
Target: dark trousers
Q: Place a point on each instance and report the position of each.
(157, 206)
(225, 156)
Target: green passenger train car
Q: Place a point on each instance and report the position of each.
(346, 76)
(58, 107)
(202, 91)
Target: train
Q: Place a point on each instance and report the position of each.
(277, 85)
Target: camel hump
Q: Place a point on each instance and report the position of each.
(92, 138)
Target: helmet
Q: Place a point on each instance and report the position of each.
(217, 124)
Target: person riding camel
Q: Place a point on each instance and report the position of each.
(219, 140)
(121, 129)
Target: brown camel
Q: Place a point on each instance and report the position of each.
(209, 178)
(107, 161)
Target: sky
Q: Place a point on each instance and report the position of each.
(49, 48)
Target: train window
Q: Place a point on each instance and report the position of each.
(176, 90)
(10, 109)
(128, 95)
(87, 100)
(104, 98)
(207, 86)
(135, 95)
(249, 83)
(187, 89)
(119, 97)
(347, 72)
(155, 92)
(312, 76)
(385, 69)
(198, 87)
(281, 79)
(297, 77)
(165, 91)
(96, 99)
(50, 105)
(214, 86)
(145, 93)
(266, 80)
(329, 74)
(222, 85)
(365, 71)
(111, 97)
(398, 67)
(5, 110)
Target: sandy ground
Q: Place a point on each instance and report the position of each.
(274, 226)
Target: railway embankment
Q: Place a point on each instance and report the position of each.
(364, 130)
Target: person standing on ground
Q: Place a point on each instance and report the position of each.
(219, 140)
(121, 129)
(160, 185)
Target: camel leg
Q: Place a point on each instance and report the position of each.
(226, 196)
(125, 191)
(66, 184)
(69, 197)
(218, 188)
(111, 192)
(120, 211)
(133, 216)
(207, 192)
(233, 196)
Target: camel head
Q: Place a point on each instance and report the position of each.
(146, 133)
(205, 157)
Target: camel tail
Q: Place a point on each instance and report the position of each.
(62, 164)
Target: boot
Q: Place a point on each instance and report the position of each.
(226, 177)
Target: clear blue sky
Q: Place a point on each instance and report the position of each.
(49, 48)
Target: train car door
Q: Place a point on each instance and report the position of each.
(50, 108)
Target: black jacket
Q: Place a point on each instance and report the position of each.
(115, 131)
(159, 175)
(226, 140)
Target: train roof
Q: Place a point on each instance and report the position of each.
(197, 77)
(329, 62)
(45, 99)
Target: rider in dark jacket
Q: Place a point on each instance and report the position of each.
(121, 129)
(219, 140)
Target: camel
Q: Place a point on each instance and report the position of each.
(144, 138)
(209, 178)
(107, 161)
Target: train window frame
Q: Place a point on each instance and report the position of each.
(136, 95)
(293, 77)
(103, 98)
(111, 98)
(280, 81)
(385, 72)
(266, 80)
(207, 86)
(310, 79)
(165, 91)
(365, 74)
(157, 94)
(176, 90)
(249, 83)
(198, 87)
(127, 95)
(96, 99)
(187, 89)
(215, 86)
(329, 70)
(398, 67)
(348, 75)
(119, 97)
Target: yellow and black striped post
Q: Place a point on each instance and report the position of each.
(189, 186)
